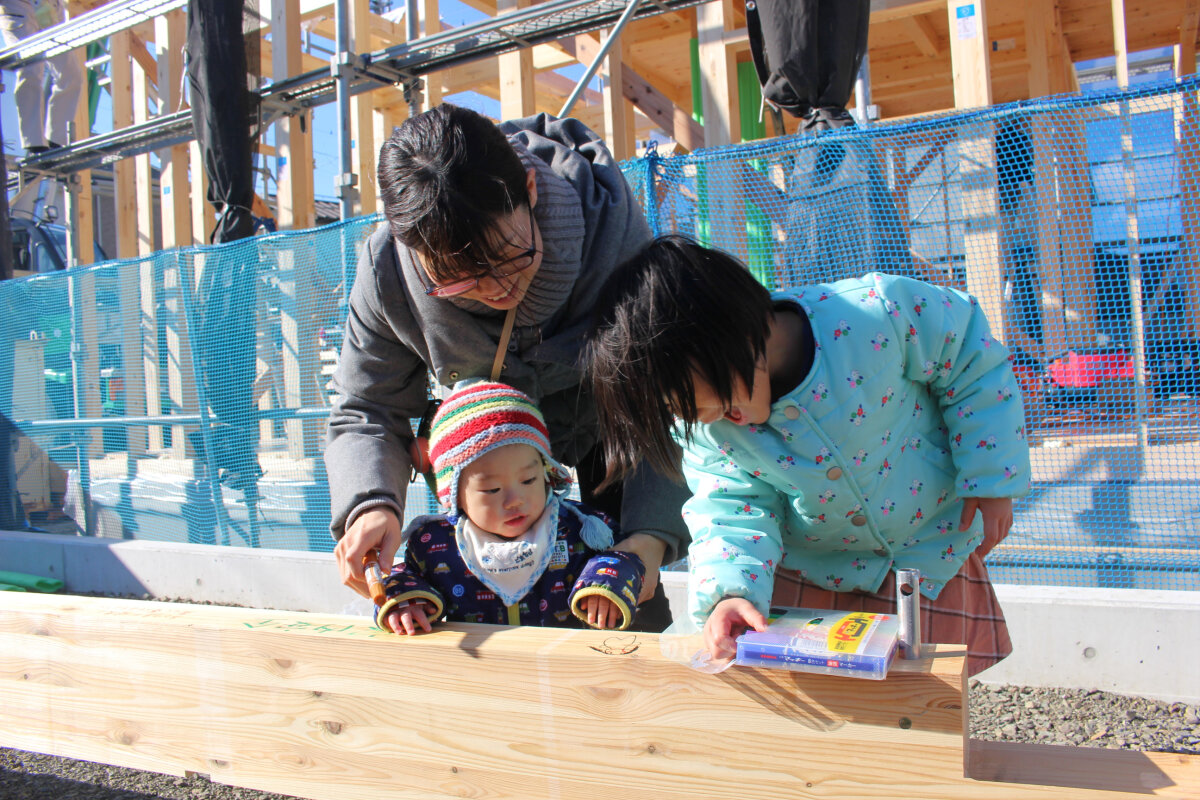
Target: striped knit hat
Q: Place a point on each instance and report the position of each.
(478, 418)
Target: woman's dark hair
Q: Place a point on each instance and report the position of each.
(674, 312)
(445, 176)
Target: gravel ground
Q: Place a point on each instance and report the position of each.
(999, 713)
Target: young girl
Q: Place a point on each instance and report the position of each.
(832, 434)
(511, 551)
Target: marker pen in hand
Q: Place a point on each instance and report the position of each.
(374, 578)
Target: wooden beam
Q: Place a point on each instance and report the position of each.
(618, 114)
(302, 704)
(923, 34)
(883, 11)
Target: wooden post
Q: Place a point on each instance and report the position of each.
(618, 112)
(125, 207)
(969, 46)
(293, 135)
(147, 245)
(170, 39)
(85, 222)
(1061, 190)
(431, 23)
(718, 74)
(516, 73)
(1133, 241)
(362, 131)
(1188, 134)
(295, 261)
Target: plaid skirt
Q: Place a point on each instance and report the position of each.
(966, 612)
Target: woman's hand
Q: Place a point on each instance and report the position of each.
(997, 519)
(729, 619)
(406, 617)
(650, 549)
(376, 528)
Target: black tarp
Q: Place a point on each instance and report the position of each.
(221, 108)
(807, 54)
(223, 333)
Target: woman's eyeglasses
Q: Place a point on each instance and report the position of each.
(500, 273)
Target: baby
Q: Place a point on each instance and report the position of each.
(511, 550)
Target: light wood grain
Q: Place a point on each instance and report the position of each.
(329, 707)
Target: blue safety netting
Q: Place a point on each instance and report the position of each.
(1073, 220)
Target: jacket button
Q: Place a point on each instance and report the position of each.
(834, 473)
(791, 412)
(859, 520)
(881, 552)
(453, 376)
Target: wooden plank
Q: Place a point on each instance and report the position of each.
(1085, 768)
(516, 73)
(302, 704)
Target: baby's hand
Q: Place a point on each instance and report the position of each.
(601, 612)
(997, 519)
(406, 617)
(729, 620)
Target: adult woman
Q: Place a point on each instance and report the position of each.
(497, 242)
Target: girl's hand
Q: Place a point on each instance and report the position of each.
(601, 612)
(729, 620)
(405, 619)
(997, 519)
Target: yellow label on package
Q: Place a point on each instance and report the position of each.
(849, 632)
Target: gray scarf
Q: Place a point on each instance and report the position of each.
(560, 222)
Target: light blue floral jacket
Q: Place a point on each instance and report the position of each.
(909, 406)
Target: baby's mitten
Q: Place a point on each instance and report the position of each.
(402, 588)
(615, 575)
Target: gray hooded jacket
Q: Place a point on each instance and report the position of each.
(590, 223)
